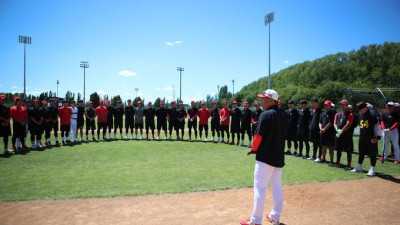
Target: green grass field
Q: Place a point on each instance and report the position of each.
(131, 168)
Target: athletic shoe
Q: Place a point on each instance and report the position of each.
(396, 162)
(68, 141)
(371, 173)
(198, 139)
(311, 158)
(273, 221)
(288, 152)
(249, 146)
(218, 140)
(39, 145)
(232, 143)
(248, 222)
(300, 155)
(57, 143)
(63, 142)
(347, 168)
(306, 157)
(337, 165)
(391, 155)
(357, 169)
(295, 153)
(318, 160)
(237, 143)
(212, 139)
(381, 159)
(8, 152)
(331, 164)
(33, 147)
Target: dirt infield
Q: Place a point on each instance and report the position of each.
(368, 201)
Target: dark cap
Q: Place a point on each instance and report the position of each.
(80, 100)
(303, 102)
(65, 101)
(290, 102)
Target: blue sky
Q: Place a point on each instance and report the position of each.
(139, 44)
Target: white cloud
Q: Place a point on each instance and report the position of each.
(158, 89)
(173, 43)
(123, 85)
(127, 93)
(140, 94)
(14, 87)
(169, 43)
(212, 93)
(127, 73)
(168, 88)
(101, 92)
(286, 62)
(178, 42)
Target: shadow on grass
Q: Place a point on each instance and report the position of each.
(388, 177)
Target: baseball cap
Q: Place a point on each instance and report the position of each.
(139, 102)
(224, 103)
(269, 93)
(350, 106)
(234, 102)
(396, 104)
(65, 101)
(256, 103)
(129, 100)
(369, 106)
(90, 102)
(314, 100)
(73, 101)
(303, 102)
(214, 103)
(149, 103)
(290, 102)
(80, 100)
(180, 104)
(44, 102)
(101, 101)
(328, 102)
(35, 101)
(118, 101)
(3, 97)
(192, 102)
(390, 104)
(173, 102)
(108, 101)
(344, 102)
(203, 103)
(332, 105)
(246, 103)
(16, 98)
(161, 103)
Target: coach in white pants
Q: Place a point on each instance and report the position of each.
(268, 145)
(74, 118)
(389, 123)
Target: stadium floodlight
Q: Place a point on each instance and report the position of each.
(84, 65)
(136, 89)
(233, 88)
(180, 69)
(57, 87)
(268, 19)
(25, 40)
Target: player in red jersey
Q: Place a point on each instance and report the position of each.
(101, 113)
(203, 114)
(19, 114)
(224, 115)
(65, 113)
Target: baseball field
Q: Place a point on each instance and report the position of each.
(164, 182)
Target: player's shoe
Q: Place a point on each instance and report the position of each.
(248, 222)
(357, 169)
(318, 160)
(371, 172)
(212, 139)
(237, 143)
(295, 153)
(271, 220)
(331, 164)
(391, 155)
(396, 162)
(218, 140)
(242, 143)
(288, 152)
(311, 158)
(249, 146)
(232, 143)
(198, 139)
(8, 152)
(381, 159)
(33, 146)
(347, 168)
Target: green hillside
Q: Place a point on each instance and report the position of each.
(325, 78)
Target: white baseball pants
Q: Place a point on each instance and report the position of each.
(394, 137)
(73, 128)
(264, 174)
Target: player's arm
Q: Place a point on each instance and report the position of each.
(348, 123)
(335, 122)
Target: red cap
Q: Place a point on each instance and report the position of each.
(16, 98)
(224, 103)
(173, 102)
(161, 103)
(108, 101)
(328, 102)
(35, 101)
(203, 103)
(139, 102)
(245, 103)
(213, 103)
(234, 102)
(3, 97)
(344, 102)
(180, 104)
(256, 103)
(90, 102)
(192, 102)
(101, 101)
(44, 102)
(149, 103)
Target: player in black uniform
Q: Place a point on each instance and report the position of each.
(53, 124)
(181, 121)
(46, 119)
(303, 130)
(161, 114)
(236, 115)
(327, 131)
(80, 120)
(215, 121)
(110, 116)
(118, 116)
(246, 123)
(90, 121)
(192, 114)
(35, 123)
(343, 124)
(172, 115)
(149, 115)
(292, 119)
(367, 143)
(314, 130)
(255, 114)
(129, 119)
(5, 128)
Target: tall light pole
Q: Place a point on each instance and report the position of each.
(136, 89)
(84, 65)
(218, 92)
(233, 88)
(25, 40)
(57, 87)
(180, 69)
(268, 19)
